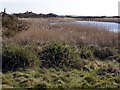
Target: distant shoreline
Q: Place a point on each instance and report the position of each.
(115, 19)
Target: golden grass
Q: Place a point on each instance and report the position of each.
(42, 32)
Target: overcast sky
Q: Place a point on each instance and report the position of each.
(63, 7)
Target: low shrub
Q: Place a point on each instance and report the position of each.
(86, 52)
(59, 55)
(12, 25)
(15, 56)
(103, 53)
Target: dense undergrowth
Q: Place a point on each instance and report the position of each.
(15, 57)
(58, 65)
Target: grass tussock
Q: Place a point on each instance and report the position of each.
(16, 57)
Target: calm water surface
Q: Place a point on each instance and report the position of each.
(111, 26)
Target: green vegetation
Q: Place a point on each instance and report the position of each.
(59, 55)
(15, 56)
(59, 66)
(103, 53)
(51, 78)
(86, 52)
(58, 63)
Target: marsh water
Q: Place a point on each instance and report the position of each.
(111, 26)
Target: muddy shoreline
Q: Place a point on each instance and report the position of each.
(115, 20)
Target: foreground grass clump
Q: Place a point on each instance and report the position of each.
(86, 52)
(105, 52)
(59, 55)
(52, 78)
(15, 56)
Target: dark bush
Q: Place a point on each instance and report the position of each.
(86, 52)
(12, 25)
(59, 55)
(15, 57)
(103, 53)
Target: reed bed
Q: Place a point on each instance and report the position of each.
(67, 33)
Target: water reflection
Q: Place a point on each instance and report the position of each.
(108, 25)
(111, 26)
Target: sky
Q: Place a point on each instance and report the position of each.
(63, 7)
